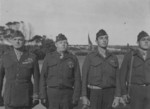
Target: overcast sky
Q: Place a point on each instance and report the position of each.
(122, 19)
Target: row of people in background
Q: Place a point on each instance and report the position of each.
(103, 85)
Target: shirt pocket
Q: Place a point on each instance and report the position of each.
(9, 65)
(96, 63)
(111, 69)
(148, 62)
(95, 68)
(27, 66)
(113, 64)
(137, 64)
(52, 68)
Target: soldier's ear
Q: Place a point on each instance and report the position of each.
(56, 44)
(96, 41)
(138, 43)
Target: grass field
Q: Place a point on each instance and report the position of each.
(81, 60)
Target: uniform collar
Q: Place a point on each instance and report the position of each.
(14, 56)
(108, 54)
(139, 54)
(66, 55)
(148, 54)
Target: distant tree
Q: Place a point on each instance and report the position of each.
(36, 38)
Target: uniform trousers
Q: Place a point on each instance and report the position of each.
(140, 97)
(60, 98)
(101, 98)
(10, 107)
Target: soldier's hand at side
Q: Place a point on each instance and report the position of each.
(115, 102)
(85, 107)
(85, 101)
(126, 98)
(1, 101)
(75, 103)
(122, 101)
(44, 102)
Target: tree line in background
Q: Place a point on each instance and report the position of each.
(40, 45)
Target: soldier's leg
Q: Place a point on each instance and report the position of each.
(24, 108)
(147, 100)
(137, 97)
(67, 95)
(54, 98)
(95, 97)
(108, 97)
(147, 104)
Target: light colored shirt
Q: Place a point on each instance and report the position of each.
(18, 54)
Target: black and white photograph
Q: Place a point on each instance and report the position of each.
(74, 54)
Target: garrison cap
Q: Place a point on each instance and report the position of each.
(100, 33)
(141, 35)
(60, 37)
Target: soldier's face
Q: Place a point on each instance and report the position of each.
(61, 45)
(144, 43)
(18, 42)
(102, 41)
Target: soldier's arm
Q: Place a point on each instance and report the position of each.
(85, 70)
(118, 88)
(123, 73)
(77, 84)
(36, 76)
(43, 78)
(2, 73)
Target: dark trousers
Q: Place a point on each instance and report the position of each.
(101, 98)
(140, 97)
(59, 98)
(9, 107)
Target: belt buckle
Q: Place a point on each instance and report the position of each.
(94, 87)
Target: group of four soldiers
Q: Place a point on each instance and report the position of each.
(59, 85)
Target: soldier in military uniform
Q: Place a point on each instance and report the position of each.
(137, 74)
(100, 77)
(18, 66)
(60, 82)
